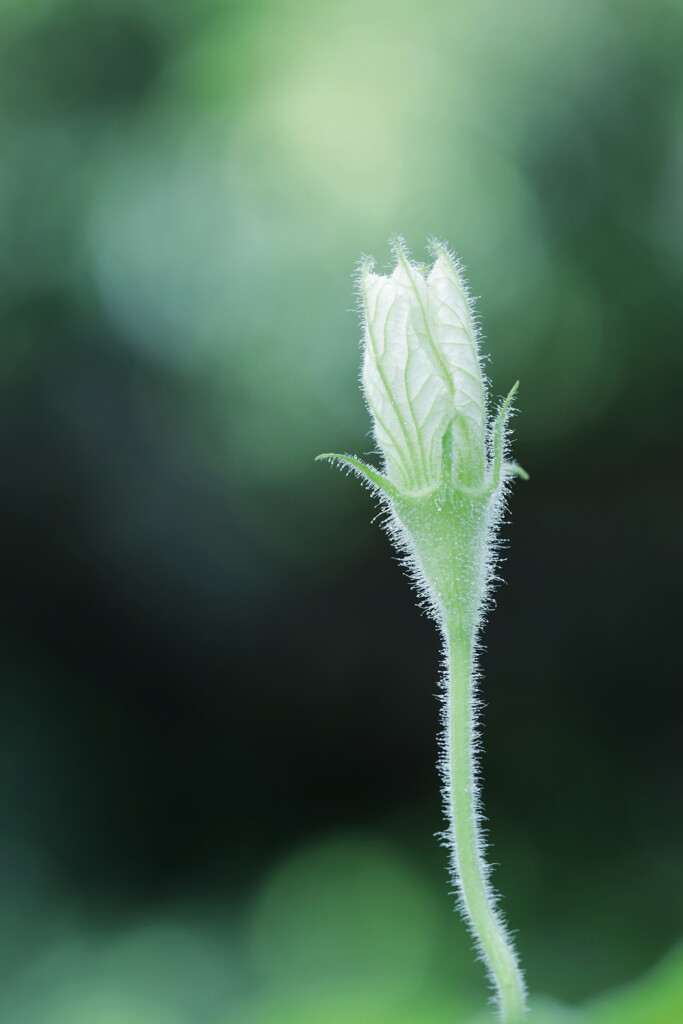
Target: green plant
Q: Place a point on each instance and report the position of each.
(443, 485)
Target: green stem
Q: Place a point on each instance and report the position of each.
(465, 839)
(449, 535)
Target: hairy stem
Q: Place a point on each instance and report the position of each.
(449, 536)
(465, 840)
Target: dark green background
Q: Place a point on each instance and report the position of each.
(218, 728)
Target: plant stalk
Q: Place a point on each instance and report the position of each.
(461, 794)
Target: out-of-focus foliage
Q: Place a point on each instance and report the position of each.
(217, 797)
(344, 930)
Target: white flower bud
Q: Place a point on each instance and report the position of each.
(421, 371)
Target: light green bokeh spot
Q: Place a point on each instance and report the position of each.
(348, 909)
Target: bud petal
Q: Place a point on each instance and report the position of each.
(456, 338)
(406, 396)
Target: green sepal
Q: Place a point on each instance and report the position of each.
(498, 468)
(514, 469)
(368, 473)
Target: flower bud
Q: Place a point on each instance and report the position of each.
(421, 373)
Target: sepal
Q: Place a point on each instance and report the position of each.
(367, 473)
(499, 467)
(514, 469)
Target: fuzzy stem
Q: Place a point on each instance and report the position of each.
(449, 536)
(465, 841)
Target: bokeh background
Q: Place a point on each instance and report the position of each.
(218, 796)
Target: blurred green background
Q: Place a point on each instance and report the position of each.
(218, 730)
